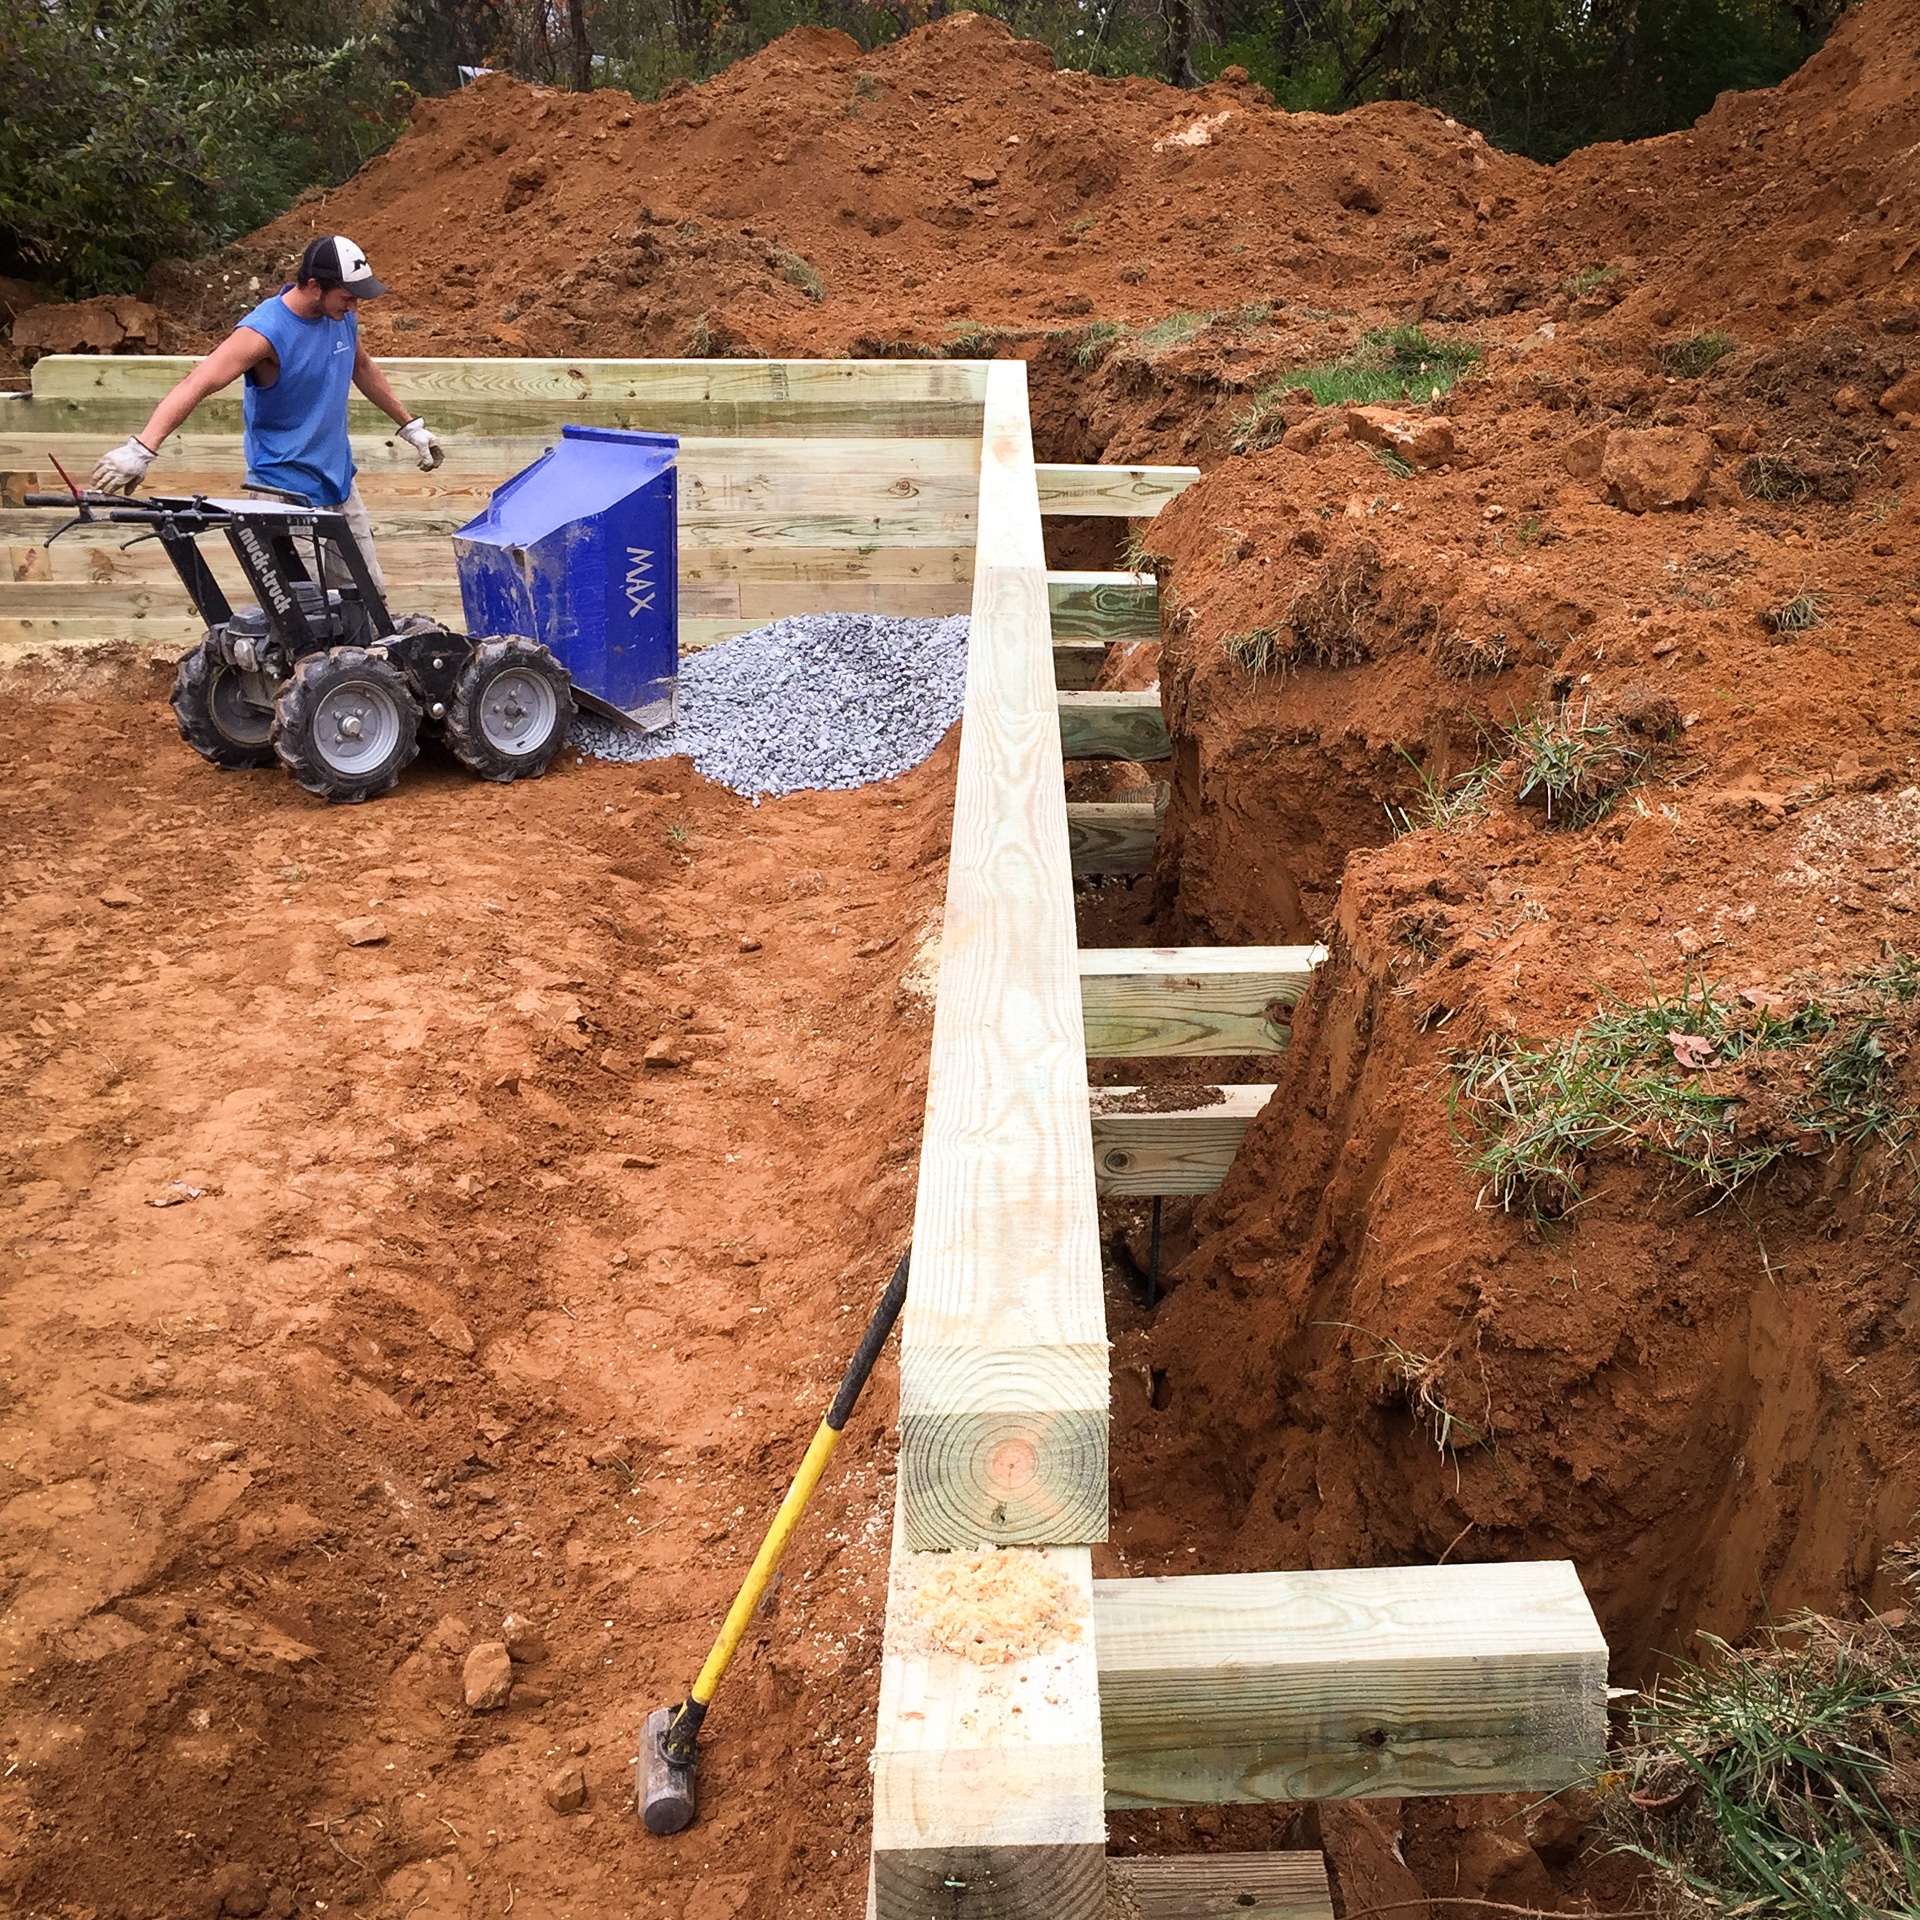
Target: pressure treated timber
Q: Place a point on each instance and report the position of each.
(1223, 1886)
(1113, 726)
(1133, 493)
(1112, 836)
(987, 1781)
(1192, 1000)
(1183, 1150)
(1003, 1369)
(773, 397)
(1104, 606)
(1363, 1683)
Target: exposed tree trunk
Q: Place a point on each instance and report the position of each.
(1179, 46)
(582, 46)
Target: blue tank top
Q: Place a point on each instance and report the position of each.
(297, 428)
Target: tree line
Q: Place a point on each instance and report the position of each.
(131, 130)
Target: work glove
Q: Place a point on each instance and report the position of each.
(124, 468)
(431, 452)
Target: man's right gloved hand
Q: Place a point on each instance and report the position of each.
(125, 467)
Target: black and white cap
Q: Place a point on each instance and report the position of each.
(336, 261)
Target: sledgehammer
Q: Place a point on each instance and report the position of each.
(667, 1761)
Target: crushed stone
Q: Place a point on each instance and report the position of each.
(817, 702)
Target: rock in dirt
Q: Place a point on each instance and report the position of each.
(488, 1676)
(1903, 396)
(661, 1056)
(1421, 440)
(1304, 435)
(566, 1789)
(1585, 453)
(1654, 469)
(238, 1889)
(451, 1332)
(364, 932)
(113, 323)
(524, 1641)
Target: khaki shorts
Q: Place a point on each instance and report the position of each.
(333, 568)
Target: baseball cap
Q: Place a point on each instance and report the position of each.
(336, 261)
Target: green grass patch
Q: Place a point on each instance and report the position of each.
(1776, 1782)
(1388, 364)
(1587, 280)
(1689, 359)
(1719, 1089)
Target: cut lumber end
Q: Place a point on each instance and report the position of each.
(1112, 836)
(1177, 1150)
(1150, 1001)
(1131, 493)
(986, 1763)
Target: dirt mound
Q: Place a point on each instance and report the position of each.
(954, 186)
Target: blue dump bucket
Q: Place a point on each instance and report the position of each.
(581, 552)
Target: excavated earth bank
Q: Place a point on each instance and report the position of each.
(1712, 1409)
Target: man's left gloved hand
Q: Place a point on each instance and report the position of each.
(431, 452)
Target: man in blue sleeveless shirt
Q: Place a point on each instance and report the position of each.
(299, 351)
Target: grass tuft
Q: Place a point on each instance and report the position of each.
(1777, 482)
(1587, 279)
(1422, 1379)
(1260, 650)
(1801, 614)
(700, 338)
(1720, 1090)
(1689, 359)
(802, 273)
(1576, 767)
(1096, 342)
(1454, 804)
(1778, 1781)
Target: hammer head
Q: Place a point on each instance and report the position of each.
(665, 1791)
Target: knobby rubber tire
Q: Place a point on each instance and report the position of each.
(197, 683)
(464, 732)
(294, 719)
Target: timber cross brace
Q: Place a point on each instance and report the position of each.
(908, 487)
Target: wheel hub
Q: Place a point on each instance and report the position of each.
(517, 711)
(357, 726)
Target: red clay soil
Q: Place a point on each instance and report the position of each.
(1711, 1409)
(358, 1296)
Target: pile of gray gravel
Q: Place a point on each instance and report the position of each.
(820, 701)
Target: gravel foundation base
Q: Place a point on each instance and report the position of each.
(821, 701)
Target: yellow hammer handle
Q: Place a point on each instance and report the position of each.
(760, 1574)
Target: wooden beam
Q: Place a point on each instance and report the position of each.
(1104, 606)
(1112, 836)
(1178, 1150)
(1132, 493)
(1359, 1684)
(1192, 1000)
(1223, 1886)
(1113, 726)
(1003, 1363)
(72, 376)
(987, 1780)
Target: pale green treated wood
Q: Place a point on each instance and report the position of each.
(1147, 1001)
(1132, 493)
(1187, 1150)
(1112, 836)
(1104, 606)
(1113, 726)
(1382, 1682)
(1223, 1886)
